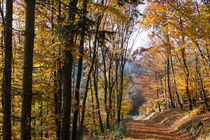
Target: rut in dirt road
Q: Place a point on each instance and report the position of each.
(150, 130)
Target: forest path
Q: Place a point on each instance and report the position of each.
(150, 130)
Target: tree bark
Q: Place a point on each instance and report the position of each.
(187, 78)
(67, 75)
(95, 77)
(157, 92)
(89, 74)
(119, 101)
(27, 71)
(93, 126)
(7, 71)
(174, 79)
(201, 82)
(110, 87)
(183, 53)
(79, 73)
(117, 83)
(120, 94)
(168, 79)
(104, 53)
(165, 89)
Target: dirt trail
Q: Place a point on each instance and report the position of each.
(150, 130)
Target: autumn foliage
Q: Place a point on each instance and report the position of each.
(177, 65)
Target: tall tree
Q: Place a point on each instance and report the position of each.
(67, 75)
(95, 79)
(7, 70)
(168, 76)
(187, 72)
(27, 70)
(58, 82)
(79, 70)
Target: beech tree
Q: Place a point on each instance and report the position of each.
(7, 70)
(28, 67)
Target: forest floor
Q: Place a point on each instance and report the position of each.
(171, 125)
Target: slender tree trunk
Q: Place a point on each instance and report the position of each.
(120, 95)
(95, 76)
(79, 73)
(119, 101)
(116, 78)
(67, 75)
(58, 100)
(41, 123)
(93, 127)
(183, 53)
(56, 75)
(174, 79)
(161, 83)
(201, 82)
(110, 89)
(57, 114)
(165, 85)
(89, 74)
(168, 78)
(203, 89)
(157, 91)
(27, 71)
(104, 53)
(187, 78)
(7, 71)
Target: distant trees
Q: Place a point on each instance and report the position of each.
(179, 42)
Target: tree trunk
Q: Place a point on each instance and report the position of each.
(41, 123)
(168, 78)
(89, 74)
(93, 126)
(110, 88)
(120, 95)
(56, 75)
(165, 89)
(27, 71)
(104, 53)
(95, 76)
(67, 96)
(119, 101)
(79, 73)
(7, 71)
(157, 92)
(174, 79)
(201, 82)
(116, 78)
(186, 69)
(67, 75)
(187, 79)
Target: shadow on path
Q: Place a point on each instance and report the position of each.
(151, 130)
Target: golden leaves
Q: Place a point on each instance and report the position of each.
(116, 12)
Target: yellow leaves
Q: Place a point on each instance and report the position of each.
(126, 104)
(110, 10)
(148, 21)
(156, 86)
